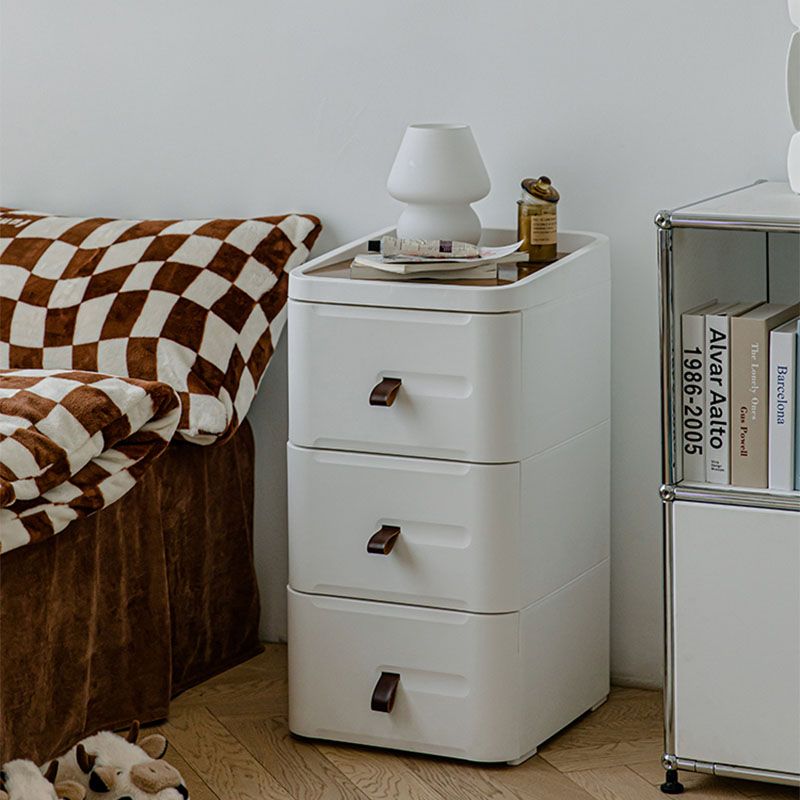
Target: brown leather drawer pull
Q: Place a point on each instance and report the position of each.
(381, 542)
(385, 393)
(385, 692)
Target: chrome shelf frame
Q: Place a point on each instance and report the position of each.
(673, 488)
(731, 496)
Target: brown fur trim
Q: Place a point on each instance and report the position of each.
(133, 733)
(154, 745)
(85, 761)
(103, 779)
(153, 777)
(69, 790)
(52, 771)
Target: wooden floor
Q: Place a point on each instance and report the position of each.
(229, 739)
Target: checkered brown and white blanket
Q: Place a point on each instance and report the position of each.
(196, 304)
(73, 442)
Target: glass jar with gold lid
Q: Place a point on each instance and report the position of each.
(537, 225)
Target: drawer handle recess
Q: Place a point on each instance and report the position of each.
(385, 692)
(385, 393)
(381, 542)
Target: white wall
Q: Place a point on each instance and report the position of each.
(195, 107)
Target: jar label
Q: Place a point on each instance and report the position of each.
(544, 229)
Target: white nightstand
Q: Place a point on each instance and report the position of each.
(449, 504)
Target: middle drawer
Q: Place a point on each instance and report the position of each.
(458, 540)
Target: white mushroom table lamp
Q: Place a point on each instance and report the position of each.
(438, 172)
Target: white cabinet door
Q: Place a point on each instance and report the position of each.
(737, 636)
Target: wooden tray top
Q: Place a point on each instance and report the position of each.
(507, 272)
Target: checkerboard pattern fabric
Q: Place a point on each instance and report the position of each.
(196, 304)
(72, 443)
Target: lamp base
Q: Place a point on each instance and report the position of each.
(456, 221)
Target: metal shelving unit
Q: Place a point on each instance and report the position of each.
(748, 242)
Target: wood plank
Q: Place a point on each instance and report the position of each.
(604, 755)
(267, 702)
(628, 714)
(766, 791)
(297, 765)
(379, 775)
(537, 780)
(271, 662)
(256, 687)
(615, 783)
(254, 666)
(458, 779)
(228, 769)
(251, 685)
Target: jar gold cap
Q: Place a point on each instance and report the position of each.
(541, 188)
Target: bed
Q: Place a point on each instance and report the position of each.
(127, 607)
(124, 601)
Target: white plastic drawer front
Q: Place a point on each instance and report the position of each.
(457, 693)
(457, 545)
(737, 636)
(460, 392)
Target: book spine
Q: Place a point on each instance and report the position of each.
(691, 414)
(797, 411)
(782, 380)
(749, 404)
(717, 425)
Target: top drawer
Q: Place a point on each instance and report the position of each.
(460, 381)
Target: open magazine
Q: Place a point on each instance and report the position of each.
(410, 264)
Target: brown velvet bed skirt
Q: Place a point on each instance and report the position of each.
(108, 620)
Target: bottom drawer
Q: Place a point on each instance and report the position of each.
(482, 687)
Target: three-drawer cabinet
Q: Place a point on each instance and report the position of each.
(448, 472)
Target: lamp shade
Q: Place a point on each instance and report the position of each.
(438, 172)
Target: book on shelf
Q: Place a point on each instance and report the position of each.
(717, 392)
(797, 412)
(691, 415)
(782, 387)
(749, 371)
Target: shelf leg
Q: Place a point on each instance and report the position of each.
(672, 785)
